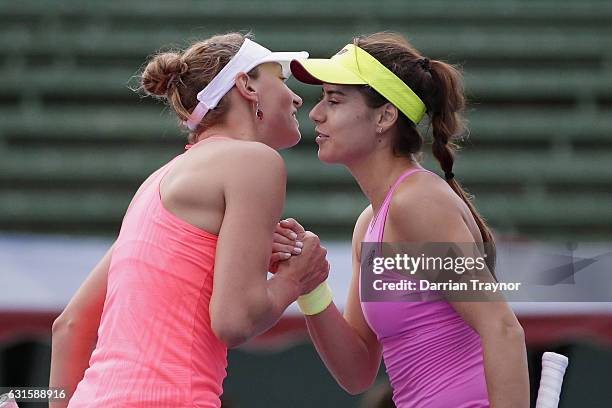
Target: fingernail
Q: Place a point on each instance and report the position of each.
(293, 235)
(286, 255)
(299, 244)
(297, 250)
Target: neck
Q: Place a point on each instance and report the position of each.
(234, 125)
(377, 172)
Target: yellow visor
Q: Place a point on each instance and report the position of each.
(354, 66)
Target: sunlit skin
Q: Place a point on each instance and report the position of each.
(224, 188)
(279, 127)
(343, 114)
(423, 208)
(359, 137)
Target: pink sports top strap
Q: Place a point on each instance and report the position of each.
(380, 218)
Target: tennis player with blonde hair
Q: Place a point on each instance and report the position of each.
(187, 275)
(437, 353)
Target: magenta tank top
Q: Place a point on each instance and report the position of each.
(433, 357)
(156, 347)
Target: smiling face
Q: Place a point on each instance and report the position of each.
(344, 124)
(279, 104)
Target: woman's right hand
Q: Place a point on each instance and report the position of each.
(308, 269)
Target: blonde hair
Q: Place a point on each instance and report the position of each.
(178, 76)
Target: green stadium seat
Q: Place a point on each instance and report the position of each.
(75, 141)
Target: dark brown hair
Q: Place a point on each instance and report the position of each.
(440, 87)
(178, 76)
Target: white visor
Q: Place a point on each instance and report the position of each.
(248, 57)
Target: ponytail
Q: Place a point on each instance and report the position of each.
(440, 87)
(448, 123)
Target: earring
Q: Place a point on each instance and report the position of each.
(379, 130)
(258, 112)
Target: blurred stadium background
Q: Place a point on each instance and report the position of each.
(75, 143)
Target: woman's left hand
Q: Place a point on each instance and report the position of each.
(285, 243)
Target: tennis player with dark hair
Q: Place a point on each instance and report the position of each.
(187, 275)
(444, 353)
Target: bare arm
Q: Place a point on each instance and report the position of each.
(347, 345)
(244, 303)
(503, 346)
(75, 331)
(428, 218)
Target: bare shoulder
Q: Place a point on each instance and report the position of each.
(425, 208)
(424, 192)
(231, 161)
(237, 156)
(198, 186)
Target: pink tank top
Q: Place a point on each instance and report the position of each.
(433, 357)
(155, 344)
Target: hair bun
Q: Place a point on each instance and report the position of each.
(161, 72)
